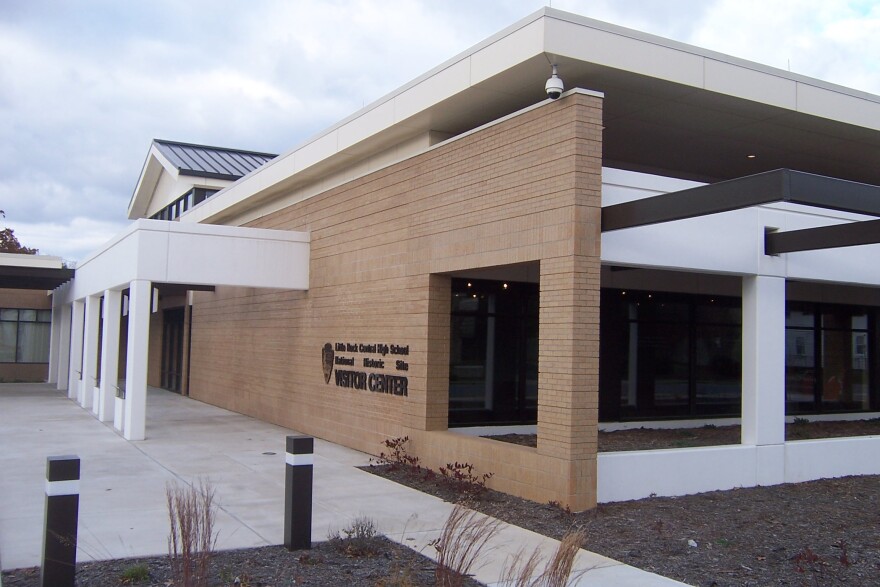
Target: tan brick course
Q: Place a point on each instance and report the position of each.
(526, 189)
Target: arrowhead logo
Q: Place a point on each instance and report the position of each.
(327, 361)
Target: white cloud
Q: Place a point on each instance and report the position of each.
(85, 86)
(72, 241)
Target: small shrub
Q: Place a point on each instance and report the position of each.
(135, 574)
(397, 456)
(462, 478)
(359, 539)
(806, 560)
(462, 540)
(562, 509)
(191, 542)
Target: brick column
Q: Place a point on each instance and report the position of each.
(568, 357)
(439, 308)
(568, 381)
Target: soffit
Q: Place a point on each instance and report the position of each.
(39, 278)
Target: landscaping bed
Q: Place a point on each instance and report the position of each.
(817, 534)
(820, 533)
(389, 565)
(657, 438)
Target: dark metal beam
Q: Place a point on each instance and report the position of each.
(781, 185)
(824, 237)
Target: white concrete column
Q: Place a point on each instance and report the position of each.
(76, 350)
(54, 340)
(90, 352)
(134, 427)
(109, 354)
(63, 356)
(763, 374)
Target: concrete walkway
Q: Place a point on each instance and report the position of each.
(122, 495)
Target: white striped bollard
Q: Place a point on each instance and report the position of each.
(58, 567)
(298, 492)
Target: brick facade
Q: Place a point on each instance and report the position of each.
(525, 189)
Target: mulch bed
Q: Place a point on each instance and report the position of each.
(816, 534)
(389, 566)
(654, 438)
(820, 533)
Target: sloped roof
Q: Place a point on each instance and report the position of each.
(215, 162)
(216, 166)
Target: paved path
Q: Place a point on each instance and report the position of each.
(122, 495)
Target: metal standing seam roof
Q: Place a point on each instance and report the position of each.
(213, 162)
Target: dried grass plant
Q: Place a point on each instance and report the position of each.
(191, 511)
(557, 572)
(460, 545)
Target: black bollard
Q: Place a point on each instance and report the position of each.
(62, 510)
(298, 492)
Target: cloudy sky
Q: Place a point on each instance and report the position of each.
(85, 85)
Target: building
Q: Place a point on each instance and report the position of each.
(26, 313)
(680, 234)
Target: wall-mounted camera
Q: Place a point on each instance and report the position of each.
(554, 86)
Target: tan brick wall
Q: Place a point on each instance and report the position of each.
(522, 190)
(24, 372)
(29, 299)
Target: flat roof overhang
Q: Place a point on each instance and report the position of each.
(781, 185)
(15, 277)
(177, 257)
(670, 109)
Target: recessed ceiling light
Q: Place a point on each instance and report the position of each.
(751, 156)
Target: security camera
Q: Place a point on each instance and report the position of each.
(554, 86)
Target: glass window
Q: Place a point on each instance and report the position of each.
(8, 335)
(493, 352)
(797, 316)
(718, 368)
(800, 369)
(24, 335)
(828, 365)
(668, 354)
(33, 342)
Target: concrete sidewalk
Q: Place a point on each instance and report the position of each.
(122, 495)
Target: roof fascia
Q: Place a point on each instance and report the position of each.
(285, 165)
(701, 52)
(148, 180)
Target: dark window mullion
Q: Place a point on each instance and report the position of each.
(818, 358)
(692, 354)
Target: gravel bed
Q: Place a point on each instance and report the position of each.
(820, 533)
(815, 534)
(391, 565)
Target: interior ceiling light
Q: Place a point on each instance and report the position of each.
(751, 156)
